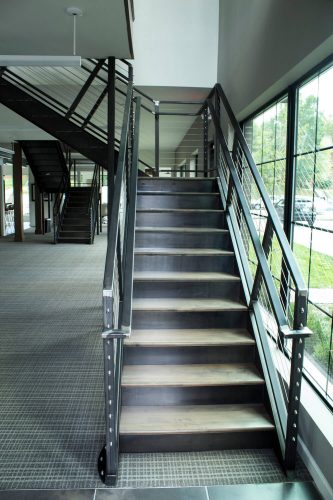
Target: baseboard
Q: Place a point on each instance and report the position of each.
(320, 480)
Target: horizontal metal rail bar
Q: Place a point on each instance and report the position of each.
(143, 94)
(146, 164)
(182, 102)
(166, 113)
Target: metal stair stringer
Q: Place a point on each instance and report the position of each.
(53, 123)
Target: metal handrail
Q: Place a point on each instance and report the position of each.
(285, 410)
(129, 257)
(118, 282)
(114, 223)
(287, 252)
(93, 186)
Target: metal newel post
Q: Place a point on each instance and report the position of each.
(111, 97)
(108, 459)
(295, 382)
(294, 402)
(157, 138)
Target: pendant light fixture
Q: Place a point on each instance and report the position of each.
(35, 60)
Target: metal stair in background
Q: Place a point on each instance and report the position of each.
(52, 122)
(47, 162)
(75, 226)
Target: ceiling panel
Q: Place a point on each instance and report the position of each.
(43, 27)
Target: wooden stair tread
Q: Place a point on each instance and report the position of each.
(188, 337)
(169, 179)
(181, 251)
(196, 375)
(195, 305)
(180, 210)
(193, 419)
(168, 229)
(172, 193)
(183, 276)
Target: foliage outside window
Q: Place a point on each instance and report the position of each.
(313, 232)
(312, 219)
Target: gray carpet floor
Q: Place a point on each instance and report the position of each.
(51, 382)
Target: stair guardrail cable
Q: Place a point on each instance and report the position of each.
(263, 250)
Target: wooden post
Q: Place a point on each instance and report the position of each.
(18, 198)
(39, 211)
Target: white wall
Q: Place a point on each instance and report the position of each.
(264, 45)
(176, 42)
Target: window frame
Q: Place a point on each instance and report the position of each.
(292, 92)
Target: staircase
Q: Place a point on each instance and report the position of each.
(75, 226)
(47, 163)
(50, 120)
(191, 378)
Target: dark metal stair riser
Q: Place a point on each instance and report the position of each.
(175, 319)
(79, 234)
(196, 442)
(151, 201)
(73, 240)
(156, 239)
(187, 289)
(135, 355)
(185, 263)
(192, 219)
(196, 186)
(165, 396)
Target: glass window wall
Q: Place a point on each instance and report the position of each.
(312, 217)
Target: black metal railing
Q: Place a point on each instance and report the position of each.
(78, 94)
(94, 202)
(278, 307)
(61, 198)
(179, 130)
(118, 280)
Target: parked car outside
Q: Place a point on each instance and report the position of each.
(304, 211)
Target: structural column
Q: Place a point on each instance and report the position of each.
(2, 201)
(111, 132)
(39, 211)
(18, 196)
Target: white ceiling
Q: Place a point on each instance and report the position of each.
(43, 27)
